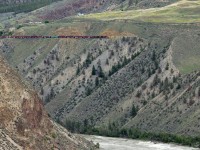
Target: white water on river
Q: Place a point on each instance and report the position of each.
(108, 143)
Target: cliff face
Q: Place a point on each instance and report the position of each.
(23, 122)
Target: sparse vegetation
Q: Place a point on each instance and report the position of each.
(144, 76)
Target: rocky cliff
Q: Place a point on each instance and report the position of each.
(24, 124)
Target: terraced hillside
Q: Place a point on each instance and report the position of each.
(145, 76)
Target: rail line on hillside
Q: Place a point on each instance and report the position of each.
(54, 37)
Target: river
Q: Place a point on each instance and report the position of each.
(108, 143)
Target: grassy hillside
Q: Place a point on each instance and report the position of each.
(140, 4)
(66, 8)
(184, 11)
(186, 52)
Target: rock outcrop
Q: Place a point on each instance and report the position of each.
(24, 124)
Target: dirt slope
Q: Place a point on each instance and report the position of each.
(24, 124)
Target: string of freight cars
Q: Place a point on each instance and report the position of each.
(49, 37)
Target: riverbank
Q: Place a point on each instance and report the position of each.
(108, 143)
(113, 130)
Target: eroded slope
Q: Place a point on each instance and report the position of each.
(24, 123)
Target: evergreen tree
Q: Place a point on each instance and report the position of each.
(78, 70)
(88, 91)
(125, 61)
(1, 33)
(114, 69)
(132, 56)
(153, 57)
(155, 80)
(88, 60)
(85, 123)
(101, 73)
(118, 65)
(42, 91)
(149, 72)
(166, 83)
(167, 66)
(52, 93)
(110, 73)
(198, 92)
(97, 81)
(178, 87)
(93, 70)
(47, 99)
(133, 111)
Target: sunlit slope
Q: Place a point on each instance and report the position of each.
(186, 52)
(184, 11)
(23, 48)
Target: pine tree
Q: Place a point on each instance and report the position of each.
(153, 57)
(88, 91)
(52, 93)
(42, 91)
(167, 66)
(88, 60)
(125, 61)
(198, 92)
(47, 98)
(114, 69)
(178, 87)
(93, 70)
(101, 73)
(166, 83)
(133, 111)
(118, 65)
(57, 58)
(85, 122)
(155, 80)
(34, 71)
(1, 33)
(78, 70)
(97, 81)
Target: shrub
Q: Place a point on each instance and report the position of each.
(46, 21)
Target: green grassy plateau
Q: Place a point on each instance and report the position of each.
(184, 11)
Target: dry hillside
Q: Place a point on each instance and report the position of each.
(24, 123)
(145, 76)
